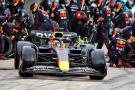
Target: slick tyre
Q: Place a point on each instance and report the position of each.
(28, 57)
(8, 48)
(18, 47)
(98, 63)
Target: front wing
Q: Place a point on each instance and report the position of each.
(40, 69)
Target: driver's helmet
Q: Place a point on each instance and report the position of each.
(54, 43)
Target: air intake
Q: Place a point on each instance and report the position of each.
(58, 35)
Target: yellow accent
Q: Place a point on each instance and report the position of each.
(114, 34)
(98, 5)
(62, 12)
(64, 66)
(53, 34)
(121, 42)
(117, 10)
(53, 9)
(119, 7)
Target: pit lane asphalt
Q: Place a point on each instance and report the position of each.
(117, 79)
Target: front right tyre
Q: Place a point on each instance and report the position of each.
(98, 63)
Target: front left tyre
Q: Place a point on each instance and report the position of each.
(28, 58)
(18, 48)
(8, 48)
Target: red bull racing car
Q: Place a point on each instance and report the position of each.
(58, 53)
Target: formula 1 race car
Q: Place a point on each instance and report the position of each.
(58, 53)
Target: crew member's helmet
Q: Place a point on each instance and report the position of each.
(99, 2)
(118, 7)
(15, 2)
(34, 7)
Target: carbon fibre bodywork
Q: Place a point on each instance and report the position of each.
(65, 56)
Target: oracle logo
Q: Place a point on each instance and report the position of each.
(43, 35)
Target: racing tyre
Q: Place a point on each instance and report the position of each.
(18, 47)
(8, 48)
(98, 63)
(28, 57)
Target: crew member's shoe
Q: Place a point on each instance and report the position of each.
(119, 63)
(111, 64)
